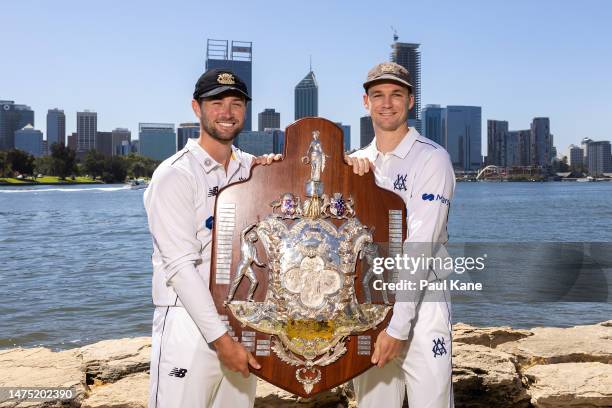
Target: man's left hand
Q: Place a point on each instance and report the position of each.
(360, 165)
(267, 158)
(386, 349)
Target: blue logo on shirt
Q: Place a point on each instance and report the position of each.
(435, 197)
(209, 222)
(427, 197)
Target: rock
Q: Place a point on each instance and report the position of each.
(485, 377)
(269, 396)
(129, 392)
(111, 360)
(41, 367)
(487, 336)
(550, 345)
(570, 385)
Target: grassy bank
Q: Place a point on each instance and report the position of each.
(46, 180)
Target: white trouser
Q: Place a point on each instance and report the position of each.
(424, 369)
(185, 370)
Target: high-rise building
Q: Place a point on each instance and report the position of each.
(120, 135)
(600, 158)
(346, 136)
(157, 140)
(497, 137)
(72, 140)
(29, 140)
(87, 128)
(307, 97)
(56, 127)
(585, 147)
(433, 124)
(366, 131)
(463, 136)
(238, 58)
(268, 119)
(408, 55)
(576, 156)
(12, 118)
(540, 142)
(186, 131)
(104, 143)
(518, 148)
(259, 143)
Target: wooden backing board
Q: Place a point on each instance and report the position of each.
(251, 200)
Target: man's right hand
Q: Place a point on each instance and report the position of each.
(234, 356)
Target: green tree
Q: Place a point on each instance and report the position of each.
(63, 160)
(115, 170)
(5, 165)
(43, 165)
(20, 161)
(94, 163)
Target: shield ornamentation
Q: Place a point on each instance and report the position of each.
(292, 262)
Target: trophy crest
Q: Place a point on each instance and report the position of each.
(289, 278)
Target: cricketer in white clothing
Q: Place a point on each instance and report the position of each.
(194, 362)
(413, 354)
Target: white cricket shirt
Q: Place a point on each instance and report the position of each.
(180, 203)
(420, 171)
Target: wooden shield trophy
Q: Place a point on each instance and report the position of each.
(293, 261)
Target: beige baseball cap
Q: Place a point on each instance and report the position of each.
(388, 71)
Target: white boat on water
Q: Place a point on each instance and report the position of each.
(585, 179)
(138, 184)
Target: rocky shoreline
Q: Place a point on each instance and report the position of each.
(492, 367)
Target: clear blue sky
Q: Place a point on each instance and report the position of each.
(137, 61)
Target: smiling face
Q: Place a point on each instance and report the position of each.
(388, 104)
(222, 117)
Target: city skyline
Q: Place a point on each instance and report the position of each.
(514, 75)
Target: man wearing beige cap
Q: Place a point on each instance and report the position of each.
(413, 354)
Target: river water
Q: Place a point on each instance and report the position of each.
(75, 260)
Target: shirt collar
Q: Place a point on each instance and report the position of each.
(400, 151)
(205, 160)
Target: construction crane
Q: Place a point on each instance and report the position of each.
(395, 36)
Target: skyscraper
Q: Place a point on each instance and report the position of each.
(268, 119)
(346, 136)
(408, 55)
(576, 156)
(463, 136)
(104, 143)
(259, 142)
(366, 131)
(433, 124)
(585, 148)
(87, 128)
(307, 97)
(497, 138)
(120, 135)
(600, 158)
(29, 140)
(186, 131)
(540, 142)
(156, 140)
(56, 127)
(12, 118)
(238, 58)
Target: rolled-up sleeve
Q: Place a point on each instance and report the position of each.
(427, 208)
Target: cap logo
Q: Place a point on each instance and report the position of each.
(387, 68)
(226, 79)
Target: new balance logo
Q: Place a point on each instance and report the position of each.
(178, 372)
(212, 192)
